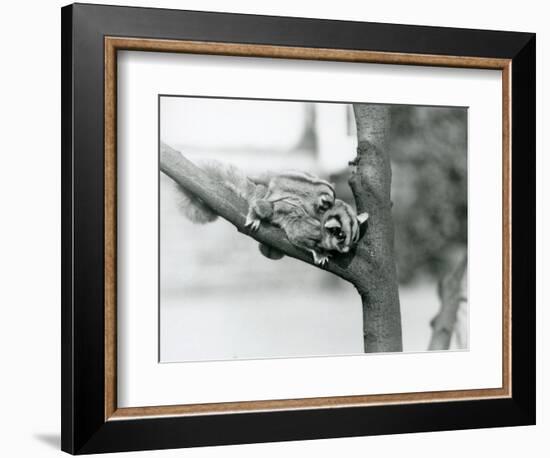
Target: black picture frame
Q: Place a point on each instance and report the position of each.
(84, 427)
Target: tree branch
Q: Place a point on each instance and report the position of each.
(234, 209)
(370, 267)
(451, 295)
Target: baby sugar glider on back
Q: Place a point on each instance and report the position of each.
(291, 193)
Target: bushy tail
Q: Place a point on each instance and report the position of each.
(195, 209)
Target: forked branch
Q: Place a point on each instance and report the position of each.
(371, 266)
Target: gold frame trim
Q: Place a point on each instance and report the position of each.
(112, 45)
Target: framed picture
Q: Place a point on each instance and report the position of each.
(381, 181)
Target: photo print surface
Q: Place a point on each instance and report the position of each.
(225, 296)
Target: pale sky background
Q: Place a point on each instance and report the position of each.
(267, 126)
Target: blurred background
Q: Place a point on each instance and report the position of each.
(221, 299)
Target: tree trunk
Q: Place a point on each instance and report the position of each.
(371, 185)
(371, 266)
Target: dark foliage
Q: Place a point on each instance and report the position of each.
(429, 190)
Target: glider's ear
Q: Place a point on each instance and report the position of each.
(362, 217)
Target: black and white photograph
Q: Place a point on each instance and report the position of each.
(293, 228)
(274, 229)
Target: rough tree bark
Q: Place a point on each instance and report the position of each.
(371, 266)
(371, 186)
